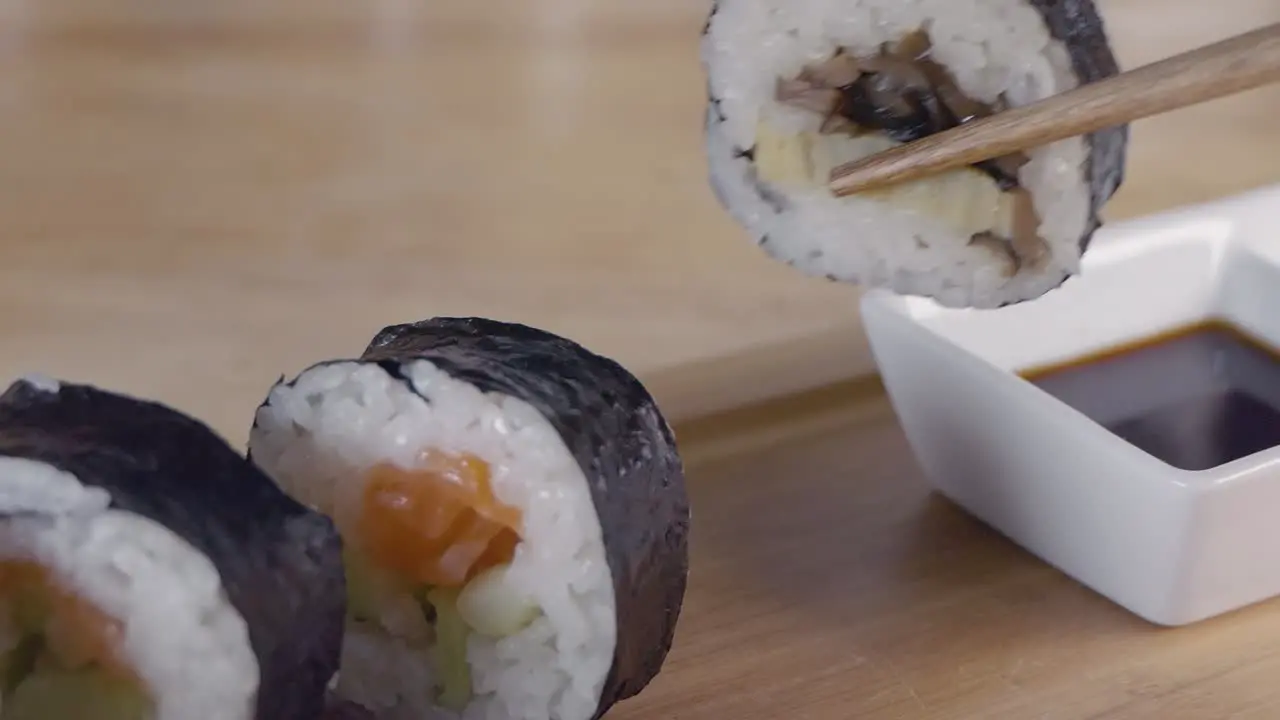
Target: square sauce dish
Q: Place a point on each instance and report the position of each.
(1124, 428)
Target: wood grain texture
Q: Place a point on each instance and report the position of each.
(198, 196)
(1240, 63)
(829, 583)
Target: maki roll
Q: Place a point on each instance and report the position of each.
(514, 515)
(148, 571)
(799, 87)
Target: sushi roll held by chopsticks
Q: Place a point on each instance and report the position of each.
(514, 515)
(150, 572)
(799, 87)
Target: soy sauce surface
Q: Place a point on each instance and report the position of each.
(1195, 398)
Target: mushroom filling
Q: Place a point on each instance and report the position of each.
(898, 95)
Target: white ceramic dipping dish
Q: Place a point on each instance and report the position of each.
(1172, 546)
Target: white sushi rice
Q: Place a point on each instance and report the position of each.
(319, 436)
(180, 632)
(990, 46)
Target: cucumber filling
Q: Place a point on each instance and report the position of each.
(60, 658)
(443, 618)
(450, 650)
(86, 694)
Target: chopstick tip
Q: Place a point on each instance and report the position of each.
(853, 177)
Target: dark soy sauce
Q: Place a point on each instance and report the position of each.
(1196, 398)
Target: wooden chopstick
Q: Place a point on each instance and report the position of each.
(1223, 68)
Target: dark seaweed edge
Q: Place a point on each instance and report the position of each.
(279, 563)
(1080, 27)
(659, 565)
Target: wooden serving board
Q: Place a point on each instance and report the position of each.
(828, 582)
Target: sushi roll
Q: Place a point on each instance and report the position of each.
(799, 87)
(514, 514)
(149, 571)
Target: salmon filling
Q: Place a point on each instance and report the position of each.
(438, 534)
(439, 524)
(61, 655)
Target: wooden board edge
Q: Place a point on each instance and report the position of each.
(761, 373)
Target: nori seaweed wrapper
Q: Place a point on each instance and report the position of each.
(1078, 25)
(280, 563)
(618, 436)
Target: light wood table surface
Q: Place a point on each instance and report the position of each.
(196, 197)
(829, 583)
